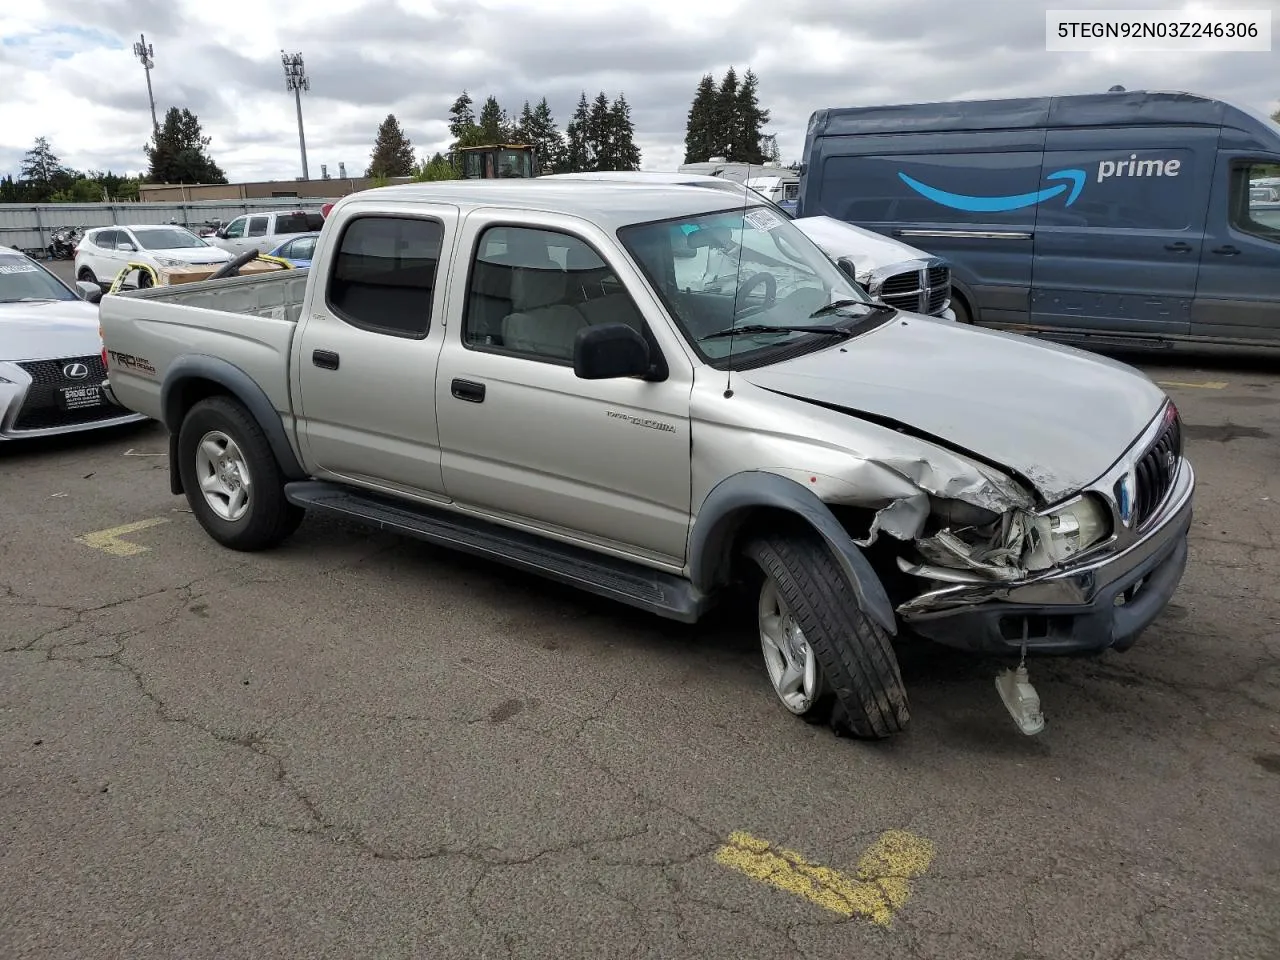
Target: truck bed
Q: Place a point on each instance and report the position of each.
(244, 322)
(275, 295)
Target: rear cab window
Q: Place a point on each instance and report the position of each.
(300, 222)
(383, 275)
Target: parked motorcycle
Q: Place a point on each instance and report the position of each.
(62, 245)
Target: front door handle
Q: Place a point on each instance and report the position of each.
(1227, 251)
(325, 359)
(1179, 247)
(468, 390)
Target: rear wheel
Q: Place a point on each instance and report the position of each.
(231, 477)
(828, 661)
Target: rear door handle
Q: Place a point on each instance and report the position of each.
(326, 359)
(1227, 251)
(468, 390)
(1179, 247)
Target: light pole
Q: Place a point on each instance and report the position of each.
(143, 51)
(295, 79)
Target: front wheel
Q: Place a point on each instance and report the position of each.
(828, 661)
(231, 477)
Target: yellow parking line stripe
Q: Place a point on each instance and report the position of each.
(108, 541)
(881, 888)
(1207, 385)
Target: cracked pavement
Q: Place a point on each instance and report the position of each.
(361, 746)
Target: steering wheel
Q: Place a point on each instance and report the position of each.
(753, 281)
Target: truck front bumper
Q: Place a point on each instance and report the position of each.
(1097, 605)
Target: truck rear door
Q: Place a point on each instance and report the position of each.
(1121, 253)
(364, 364)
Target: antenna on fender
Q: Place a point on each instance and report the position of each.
(737, 282)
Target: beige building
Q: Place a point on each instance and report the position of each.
(263, 190)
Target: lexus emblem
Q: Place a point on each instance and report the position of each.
(75, 371)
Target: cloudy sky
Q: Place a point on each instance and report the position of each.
(67, 70)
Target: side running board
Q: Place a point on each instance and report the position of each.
(630, 583)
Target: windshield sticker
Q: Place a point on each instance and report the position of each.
(19, 268)
(763, 219)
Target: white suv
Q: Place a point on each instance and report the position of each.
(104, 251)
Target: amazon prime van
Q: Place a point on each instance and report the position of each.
(1124, 217)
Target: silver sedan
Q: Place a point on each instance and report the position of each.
(52, 361)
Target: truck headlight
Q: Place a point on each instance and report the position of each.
(1058, 536)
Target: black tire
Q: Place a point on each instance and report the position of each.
(270, 518)
(88, 276)
(860, 684)
(961, 310)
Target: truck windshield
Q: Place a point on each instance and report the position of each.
(748, 268)
(20, 279)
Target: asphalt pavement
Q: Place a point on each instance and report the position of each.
(357, 745)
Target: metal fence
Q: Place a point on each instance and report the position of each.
(30, 226)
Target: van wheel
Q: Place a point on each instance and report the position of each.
(232, 479)
(828, 661)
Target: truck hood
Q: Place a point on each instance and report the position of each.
(866, 248)
(1055, 416)
(48, 330)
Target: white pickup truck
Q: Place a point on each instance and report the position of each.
(264, 231)
(519, 370)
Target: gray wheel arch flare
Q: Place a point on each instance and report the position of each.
(238, 385)
(733, 499)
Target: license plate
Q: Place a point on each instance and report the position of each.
(80, 398)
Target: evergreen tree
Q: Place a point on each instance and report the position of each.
(725, 112)
(600, 148)
(542, 133)
(43, 173)
(522, 129)
(178, 152)
(462, 115)
(576, 132)
(493, 121)
(626, 155)
(748, 119)
(392, 154)
(699, 136)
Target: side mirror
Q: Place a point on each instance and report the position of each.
(221, 233)
(608, 351)
(848, 267)
(88, 291)
(126, 247)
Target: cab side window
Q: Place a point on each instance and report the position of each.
(235, 229)
(258, 226)
(384, 274)
(531, 291)
(1253, 211)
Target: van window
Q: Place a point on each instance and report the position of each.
(1133, 190)
(1252, 210)
(384, 275)
(869, 189)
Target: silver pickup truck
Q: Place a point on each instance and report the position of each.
(520, 370)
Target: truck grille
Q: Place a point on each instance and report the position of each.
(41, 410)
(918, 291)
(1154, 472)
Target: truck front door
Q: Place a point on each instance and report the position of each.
(365, 365)
(525, 440)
